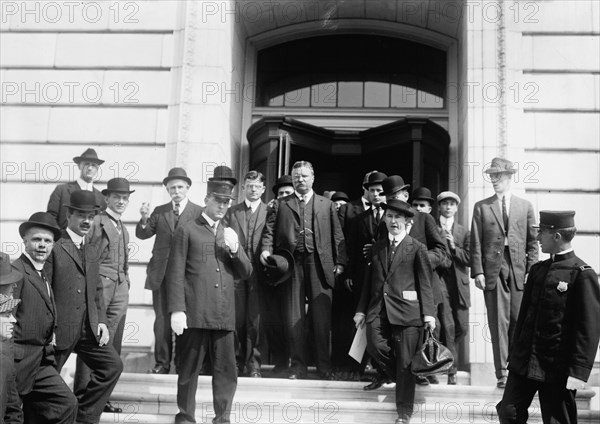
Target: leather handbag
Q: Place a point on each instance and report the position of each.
(432, 358)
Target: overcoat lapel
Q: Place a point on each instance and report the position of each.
(39, 285)
(240, 214)
(496, 210)
(72, 250)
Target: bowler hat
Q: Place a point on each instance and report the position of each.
(340, 195)
(7, 303)
(448, 195)
(556, 219)
(279, 267)
(223, 173)
(399, 206)
(222, 189)
(177, 174)
(422, 193)
(393, 184)
(89, 155)
(501, 166)
(8, 275)
(374, 178)
(83, 200)
(284, 180)
(366, 177)
(44, 220)
(117, 185)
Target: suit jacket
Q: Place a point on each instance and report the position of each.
(487, 239)
(36, 319)
(458, 273)
(560, 316)
(348, 211)
(77, 288)
(103, 241)
(236, 220)
(162, 224)
(404, 286)
(283, 226)
(62, 196)
(200, 276)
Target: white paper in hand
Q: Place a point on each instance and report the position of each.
(359, 344)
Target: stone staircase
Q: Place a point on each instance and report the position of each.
(151, 399)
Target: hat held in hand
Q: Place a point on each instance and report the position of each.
(279, 267)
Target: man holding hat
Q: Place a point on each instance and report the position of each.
(558, 329)
(109, 240)
(163, 222)
(400, 303)
(88, 164)
(45, 396)
(205, 259)
(503, 249)
(73, 270)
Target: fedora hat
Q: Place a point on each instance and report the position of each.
(556, 220)
(448, 195)
(422, 193)
(279, 267)
(392, 184)
(177, 174)
(222, 189)
(340, 195)
(284, 180)
(117, 185)
(501, 166)
(89, 155)
(83, 200)
(7, 303)
(8, 275)
(223, 173)
(399, 206)
(44, 220)
(375, 177)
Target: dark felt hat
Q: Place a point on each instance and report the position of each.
(399, 206)
(177, 174)
(222, 189)
(422, 193)
(556, 219)
(279, 267)
(117, 185)
(284, 180)
(393, 184)
(448, 195)
(340, 195)
(374, 178)
(89, 155)
(501, 166)
(8, 275)
(223, 173)
(83, 200)
(44, 220)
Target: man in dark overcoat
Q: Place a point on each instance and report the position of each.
(557, 333)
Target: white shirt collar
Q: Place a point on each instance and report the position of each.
(112, 213)
(76, 238)
(307, 196)
(446, 223)
(210, 221)
(364, 202)
(398, 238)
(564, 251)
(182, 205)
(38, 267)
(85, 185)
(252, 205)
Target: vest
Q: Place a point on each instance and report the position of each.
(251, 219)
(306, 235)
(113, 264)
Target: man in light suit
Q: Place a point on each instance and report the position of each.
(45, 396)
(307, 225)
(247, 219)
(88, 164)
(163, 223)
(503, 249)
(81, 325)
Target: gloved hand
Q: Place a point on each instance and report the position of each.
(575, 383)
(231, 239)
(178, 322)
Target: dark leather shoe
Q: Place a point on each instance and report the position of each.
(501, 384)
(402, 420)
(422, 381)
(376, 383)
(111, 409)
(255, 374)
(452, 379)
(159, 369)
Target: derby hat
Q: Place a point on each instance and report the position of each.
(117, 185)
(340, 195)
(448, 195)
(374, 178)
(556, 220)
(399, 206)
(177, 174)
(284, 180)
(366, 177)
(89, 155)
(393, 184)
(222, 189)
(8, 275)
(501, 166)
(279, 267)
(7, 303)
(83, 200)
(422, 193)
(223, 173)
(44, 220)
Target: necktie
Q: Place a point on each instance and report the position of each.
(393, 246)
(504, 215)
(214, 228)
(376, 209)
(45, 280)
(176, 209)
(119, 226)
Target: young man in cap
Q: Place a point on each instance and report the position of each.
(88, 164)
(503, 249)
(556, 336)
(73, 270)
(205, 259)
(247, 219)
(163, 222)
(457, 296)
(400, 303)
(109, 240)
(45, 396)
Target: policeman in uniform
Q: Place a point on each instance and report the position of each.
(558, 329)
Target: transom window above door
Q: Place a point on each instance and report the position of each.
(351, 71)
